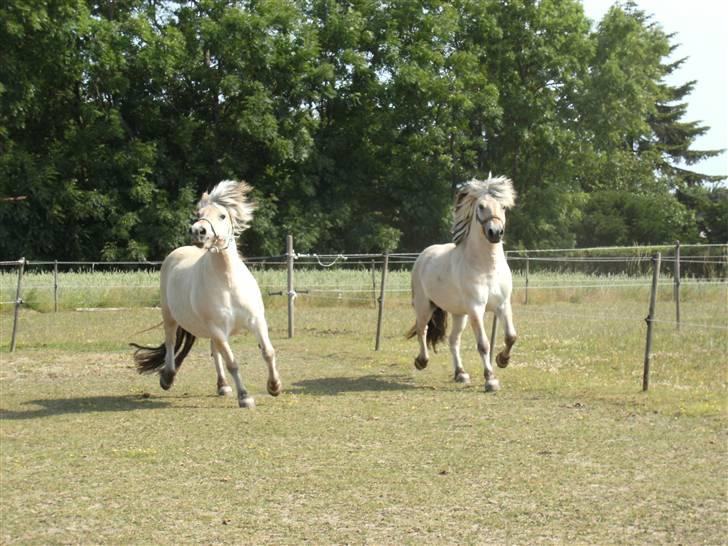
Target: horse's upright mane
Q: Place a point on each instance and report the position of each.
(233, 196)
(499, 188)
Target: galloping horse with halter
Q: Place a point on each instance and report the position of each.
(467, 278)
(207, 291)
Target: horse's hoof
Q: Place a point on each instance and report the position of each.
(246, 402)
(225, 390)
(501, 360)
(166, 380)
(492, 385)
(420, 363)
(274, 387)
(462, 377)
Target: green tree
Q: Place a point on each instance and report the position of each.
(353, 120)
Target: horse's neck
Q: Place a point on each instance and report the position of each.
(481, 253)
(225, 262)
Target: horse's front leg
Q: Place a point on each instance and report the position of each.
(222, 345)
(476, 320)
(223, 389)
(458, 325)
(506, 316)
(260, 328)
(167, 373)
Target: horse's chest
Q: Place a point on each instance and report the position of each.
(483, 290)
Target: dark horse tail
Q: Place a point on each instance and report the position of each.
(436, 328)
(151, 359)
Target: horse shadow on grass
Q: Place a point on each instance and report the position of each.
(64, 406)
(331, 386)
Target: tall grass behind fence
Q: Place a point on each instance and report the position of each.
(539, 277)
(603, 285)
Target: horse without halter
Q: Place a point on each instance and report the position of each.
(207, 291)
(467, 278)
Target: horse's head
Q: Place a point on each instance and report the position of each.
(222, 215)
(483, 203)
(492, 218)
(213, 227)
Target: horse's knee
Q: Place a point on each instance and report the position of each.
(483, 348)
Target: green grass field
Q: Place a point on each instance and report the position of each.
(361, 448)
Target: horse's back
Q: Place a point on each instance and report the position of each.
(432, 266)
(433, 256)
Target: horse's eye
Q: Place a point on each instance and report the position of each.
(481, 207)
(222, 217)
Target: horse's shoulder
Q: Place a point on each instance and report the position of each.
(437, 250)
(181, 255)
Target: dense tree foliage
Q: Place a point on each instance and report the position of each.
(353, 120)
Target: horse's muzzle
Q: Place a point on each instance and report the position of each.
(493, 231)
(199, 234)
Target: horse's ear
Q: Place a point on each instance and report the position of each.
(204, 200)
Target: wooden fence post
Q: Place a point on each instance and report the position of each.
(18, 303)
(527, 263)
(650, 320)
(380, 316)
(290, 256)
(676, 274)
(55, 286)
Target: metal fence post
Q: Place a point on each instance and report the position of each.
(18, 303)
(650, 320)
(290, 256)
(385, 267)
(676, 274)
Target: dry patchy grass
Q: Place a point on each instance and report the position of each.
(362, 449)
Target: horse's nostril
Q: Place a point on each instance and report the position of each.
(201, 231)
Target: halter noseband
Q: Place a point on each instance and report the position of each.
(483, 222)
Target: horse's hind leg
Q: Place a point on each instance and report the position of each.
(423, 311)
(223, 389)
(244, 399)
(458, 325)
(506, 316)
(476, 319)
(260, 328)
